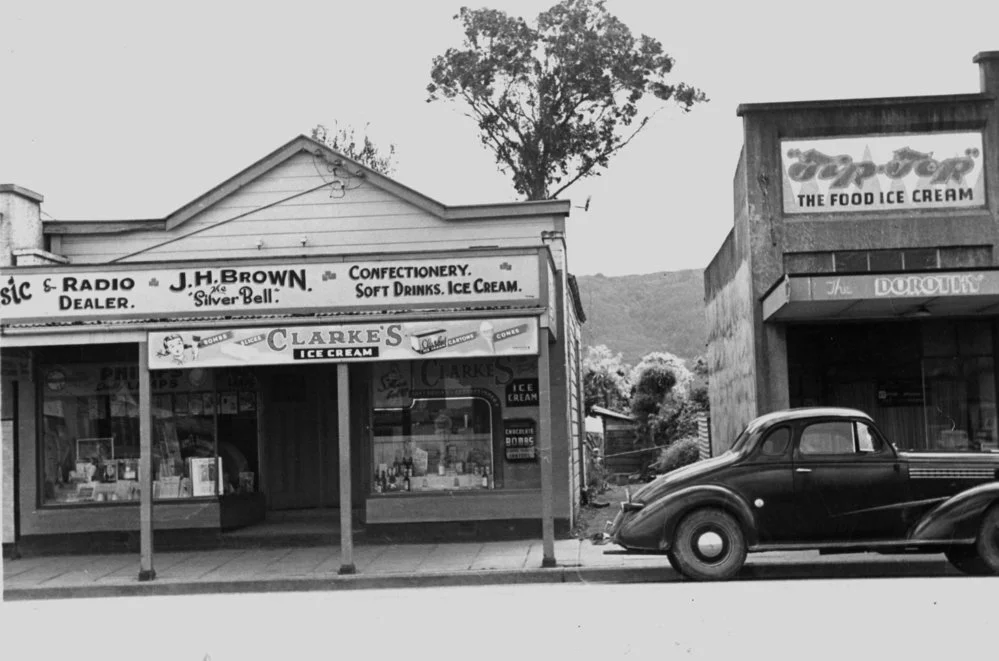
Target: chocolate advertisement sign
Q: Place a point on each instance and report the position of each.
(325, 343)
(89, 293)
(883, 172)
(520, 440)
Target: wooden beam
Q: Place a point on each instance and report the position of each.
(343, 434)
(146, 571)
(545, 451)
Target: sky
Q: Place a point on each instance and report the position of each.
(131, 109)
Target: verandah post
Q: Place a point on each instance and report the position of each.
(146, 571)
(343, 433)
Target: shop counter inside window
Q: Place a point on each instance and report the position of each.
(434, 445)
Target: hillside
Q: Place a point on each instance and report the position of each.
(638, 314)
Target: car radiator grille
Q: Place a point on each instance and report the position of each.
(953, 473)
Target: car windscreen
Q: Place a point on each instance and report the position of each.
(741, 440)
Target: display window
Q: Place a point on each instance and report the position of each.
(90, 433)
(454, 425)
(434, 444)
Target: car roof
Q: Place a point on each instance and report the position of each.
(809, 412)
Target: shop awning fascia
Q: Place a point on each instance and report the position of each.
(896, 295)
(135, 330)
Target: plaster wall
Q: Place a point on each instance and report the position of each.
(731, 356)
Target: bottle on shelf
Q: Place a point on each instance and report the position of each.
(485, 477)
(407, 484)
(440, 466)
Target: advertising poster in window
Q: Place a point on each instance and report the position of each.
(883, 173)
(326, 343)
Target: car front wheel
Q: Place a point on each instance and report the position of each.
(981, 559)
(709, 546)
(965, 559)
(987, 546)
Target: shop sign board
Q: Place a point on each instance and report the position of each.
(86, 293)
(520, 440)
(522, 392)
(883, 173)
(905, 285)
(334, 343)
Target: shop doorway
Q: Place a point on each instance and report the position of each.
(300, 437)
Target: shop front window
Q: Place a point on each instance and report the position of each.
(454, 425)
(434, 444)
(90, 433)
(960, 404)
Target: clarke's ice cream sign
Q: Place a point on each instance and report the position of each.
(280, 345)
(883, 173)
(70, 294)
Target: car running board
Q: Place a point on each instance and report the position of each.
(901, 545)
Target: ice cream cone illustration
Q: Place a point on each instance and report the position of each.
(486, 330)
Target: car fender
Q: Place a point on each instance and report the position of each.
(957, 517)
(671, 509)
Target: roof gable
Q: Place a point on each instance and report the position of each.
(334, 159)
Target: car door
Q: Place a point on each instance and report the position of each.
(764, 480)
(848, 483)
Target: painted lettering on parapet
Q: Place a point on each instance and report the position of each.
(843, 171)
(928, 285)
(238, 287)
(883, 172)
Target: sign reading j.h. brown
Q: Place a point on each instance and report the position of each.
(75, 293)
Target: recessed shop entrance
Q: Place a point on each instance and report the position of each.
(300, 440)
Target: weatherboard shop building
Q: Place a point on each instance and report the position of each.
(862, 267)
(310, 334)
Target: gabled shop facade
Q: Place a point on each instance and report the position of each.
(309, 334)
(862, 267)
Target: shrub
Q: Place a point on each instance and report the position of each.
(678, 454)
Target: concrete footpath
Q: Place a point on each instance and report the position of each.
(405, 565)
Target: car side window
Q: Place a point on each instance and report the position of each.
(867, 439)
(834, 437)
(776, 442)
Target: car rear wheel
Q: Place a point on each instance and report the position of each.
(709, 546)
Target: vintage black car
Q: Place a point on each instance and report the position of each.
(816, 478)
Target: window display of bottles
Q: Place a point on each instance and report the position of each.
(434, 445)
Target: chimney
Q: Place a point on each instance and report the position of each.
(20, 222)
(988, 66)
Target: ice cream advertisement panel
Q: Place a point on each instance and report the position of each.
(326, 343)
(883, 172)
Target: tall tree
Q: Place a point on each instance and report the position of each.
(344, 140)
(556, 99)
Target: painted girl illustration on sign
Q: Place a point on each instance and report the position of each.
(179, 352)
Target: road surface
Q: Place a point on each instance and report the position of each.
(911, 618)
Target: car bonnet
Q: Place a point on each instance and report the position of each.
(682, 476)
